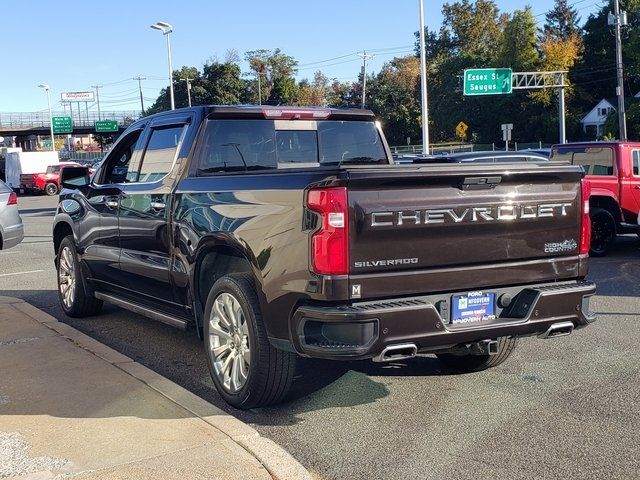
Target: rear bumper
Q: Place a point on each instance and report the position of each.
(363, 330)
(12, 236)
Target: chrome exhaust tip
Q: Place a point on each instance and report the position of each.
(397, 352)
(559, 329)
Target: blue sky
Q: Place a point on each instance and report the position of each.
(72, 45)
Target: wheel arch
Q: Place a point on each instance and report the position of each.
(61, 229)
(606, 202)
(218, 255)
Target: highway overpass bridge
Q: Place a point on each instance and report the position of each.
(31, 124)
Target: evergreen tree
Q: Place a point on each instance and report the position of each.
(562, 22)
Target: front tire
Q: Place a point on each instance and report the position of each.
(51, 189)
(246, 369)
(603, 232)
(477, 363)
(74, 299)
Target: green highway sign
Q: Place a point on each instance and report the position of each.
(62, 124)
(106, 126)
(487, 81)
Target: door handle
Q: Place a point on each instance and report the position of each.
(637, 187)
(158, 205)
(111, 203)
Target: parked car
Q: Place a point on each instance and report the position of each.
(278, 232)
(474, 157)
(47, 182)
(613, 172)
(11, 228)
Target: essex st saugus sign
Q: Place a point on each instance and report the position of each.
(487, 81)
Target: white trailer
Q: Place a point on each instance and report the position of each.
(18, 163)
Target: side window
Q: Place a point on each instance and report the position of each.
(118, 165)
(636, 163)
(160, 154)
(596, 161)
(236, 145)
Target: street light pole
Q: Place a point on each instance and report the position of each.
(166, 29)
(46, 88)
(423, 84)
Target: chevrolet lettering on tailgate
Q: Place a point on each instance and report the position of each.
(503, 213)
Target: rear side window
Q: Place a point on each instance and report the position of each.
(595, 160)
(236, 145)
(160, 154)
(636, 163)
(350, 142)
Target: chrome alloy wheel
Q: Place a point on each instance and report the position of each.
(66, 277)
(229, 342)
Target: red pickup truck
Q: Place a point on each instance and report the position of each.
(613, 172)
(47, 182)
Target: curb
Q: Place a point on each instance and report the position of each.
(277, 461)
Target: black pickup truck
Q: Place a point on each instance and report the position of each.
(278, 232)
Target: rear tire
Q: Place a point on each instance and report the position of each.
(477, 363)
(51, 189)
(246, 369)
(74, 299)
(603, 232)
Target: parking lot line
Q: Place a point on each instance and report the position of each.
(20, 273)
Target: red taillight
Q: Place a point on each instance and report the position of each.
(13, 199)
(330, 243)
(585, 230)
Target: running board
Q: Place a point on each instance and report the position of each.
(147, 312)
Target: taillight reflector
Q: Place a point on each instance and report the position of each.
(330, 243)
(585, 229)
(13, 199)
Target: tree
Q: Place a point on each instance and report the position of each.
(392, 96)
(284, 91)
(223, 83)
(270, 65)
(473, 28)
(562, 22)
(519, 42)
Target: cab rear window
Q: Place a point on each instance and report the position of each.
(243, 145)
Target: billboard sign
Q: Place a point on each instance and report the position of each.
(78, 96)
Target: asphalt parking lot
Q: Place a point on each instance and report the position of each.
(557, 409)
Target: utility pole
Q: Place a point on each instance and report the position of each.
(188, 80)
(364, 56)
(619, 20)
(423, 84)
(140, 78)
(259, 74)
(97, 87)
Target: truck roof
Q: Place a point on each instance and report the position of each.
(277, 112)
(596, 144)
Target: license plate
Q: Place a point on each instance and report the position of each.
(473, 307)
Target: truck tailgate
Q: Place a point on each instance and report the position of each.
(463, 216)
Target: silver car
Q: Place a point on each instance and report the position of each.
(11, 228)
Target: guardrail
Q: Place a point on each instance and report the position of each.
(467, 147)
(13, 120)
